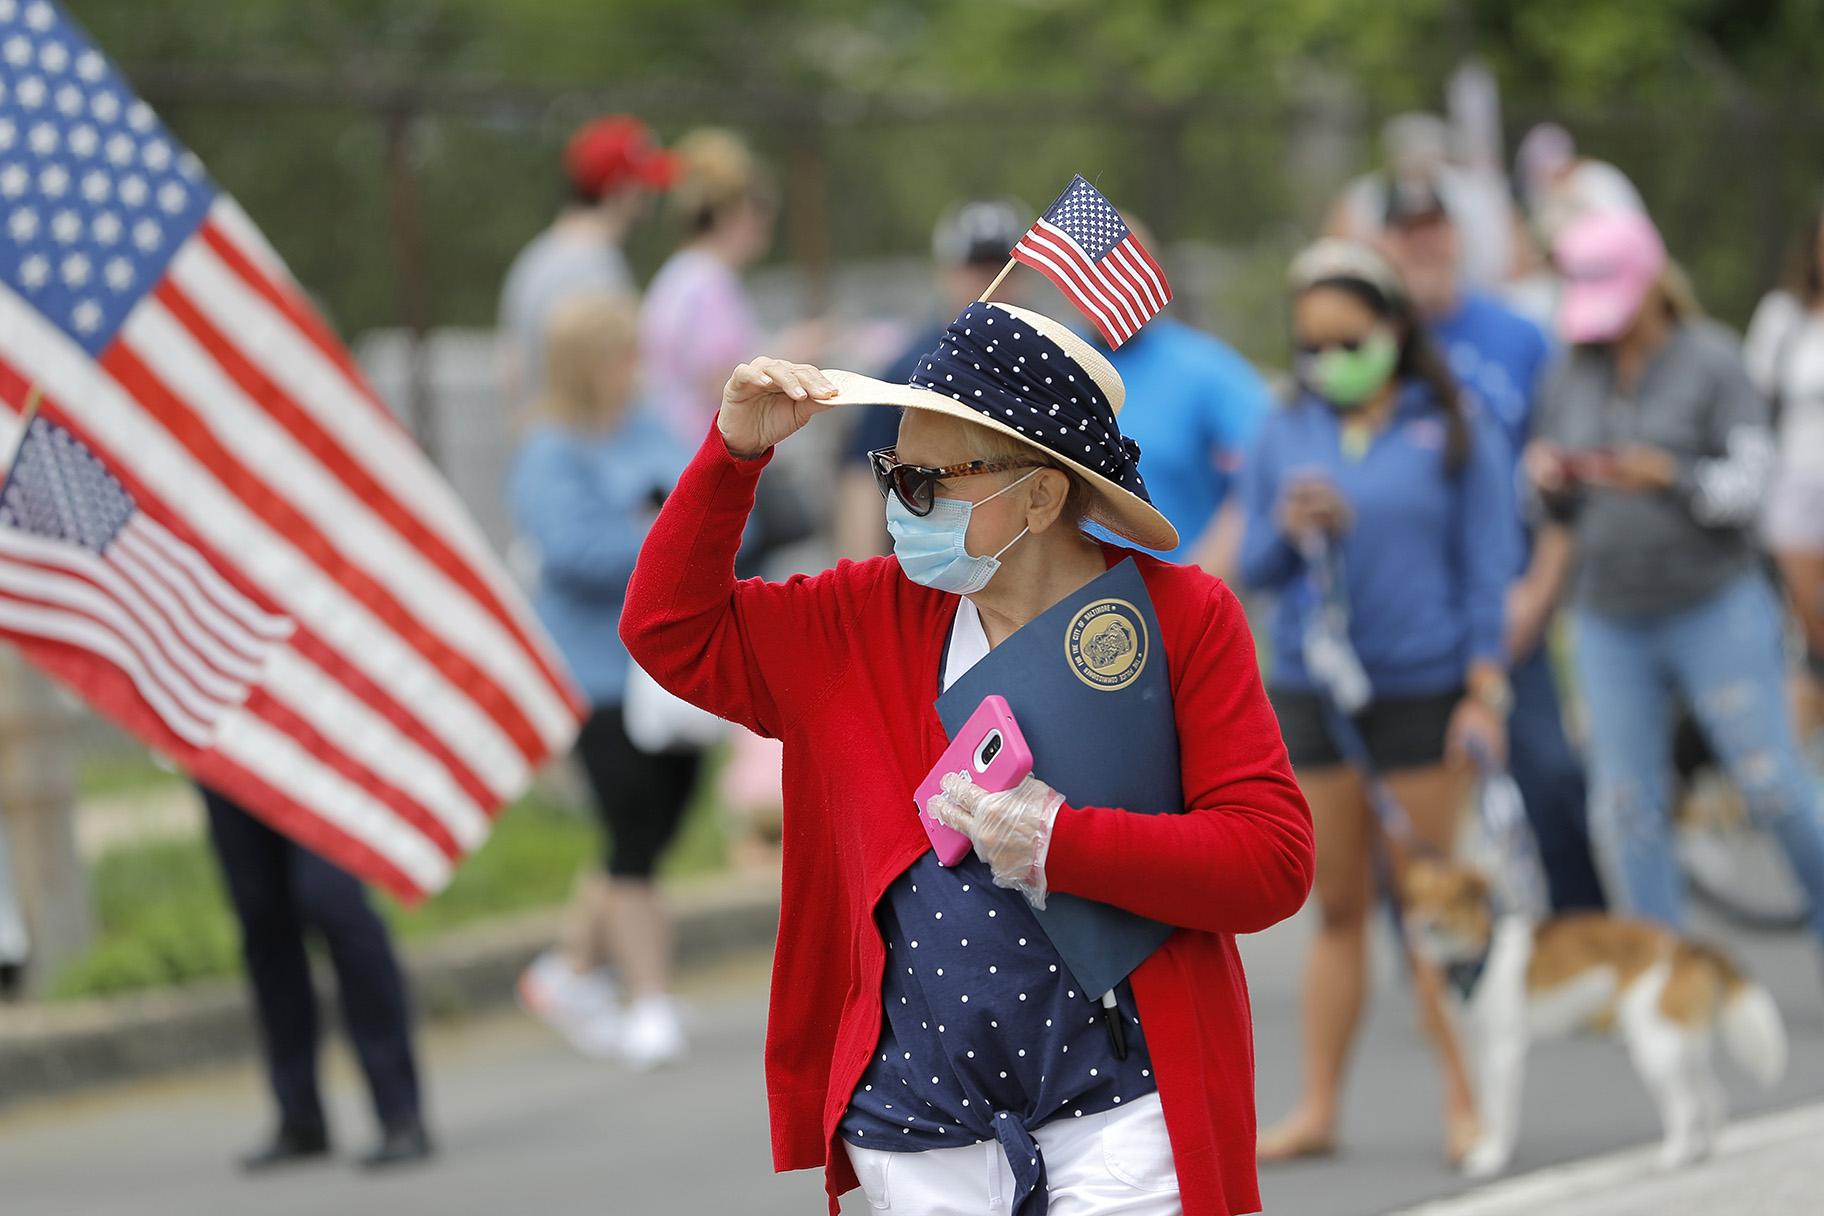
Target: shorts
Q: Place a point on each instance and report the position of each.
(1399, 732)
(1793, 520)
(640, 796)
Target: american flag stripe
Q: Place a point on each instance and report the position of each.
(1130, 260)
(228, 646)
(1076, 280)
(356, 727)
(1112, 277)
(1083, 273)
(170, 483)
(229, 227)
(37, 571)
(390, 707)
(1155, 274)
(243, 622)
(1056, 266)
(162, 566)
(108, 587)
(79, 630)
(274, 756)
(247, 437)
(156, 584)
(314, 391)
(1119, 295)
(423, 822)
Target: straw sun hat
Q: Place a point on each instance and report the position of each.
(1039, 383)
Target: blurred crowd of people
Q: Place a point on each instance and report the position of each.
(612, 391)
(1504, 407)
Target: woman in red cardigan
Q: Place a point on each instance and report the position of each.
(950, 1066)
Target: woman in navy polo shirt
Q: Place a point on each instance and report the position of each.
(1380, 513)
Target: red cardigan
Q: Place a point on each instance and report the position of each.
(842, 667)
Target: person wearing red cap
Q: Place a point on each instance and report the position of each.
(611, 166)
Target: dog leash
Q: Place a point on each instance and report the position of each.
(1395, 825)
(1519, 875)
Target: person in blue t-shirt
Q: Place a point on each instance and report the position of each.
(969, 246)
(1378, 507)
(1499, 357)
(1197, 406)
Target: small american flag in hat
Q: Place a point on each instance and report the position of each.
(1082, 245)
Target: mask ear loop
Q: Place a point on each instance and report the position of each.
(1023, 531)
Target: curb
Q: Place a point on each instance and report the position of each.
(1632, 1171)
(56, 1048)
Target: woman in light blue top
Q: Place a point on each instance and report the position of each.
(584, 487)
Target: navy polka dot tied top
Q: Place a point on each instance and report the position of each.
(984, 1033)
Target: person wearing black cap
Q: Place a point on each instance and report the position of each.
(611, 166)
(1500, 360)
(969, 246)
(1008, 445)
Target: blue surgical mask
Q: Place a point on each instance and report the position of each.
(932, 548)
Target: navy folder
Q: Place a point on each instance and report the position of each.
(1088, 684)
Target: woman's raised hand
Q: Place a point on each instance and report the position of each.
(767, 400)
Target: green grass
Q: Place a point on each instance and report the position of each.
(113, 773)
(164, 919)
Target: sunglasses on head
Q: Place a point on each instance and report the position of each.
(916, 484)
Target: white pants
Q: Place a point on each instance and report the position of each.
(1113, 1164)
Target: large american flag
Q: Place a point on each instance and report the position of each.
(351, 661)
(1082, 245)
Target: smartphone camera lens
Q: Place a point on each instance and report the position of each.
(985, 754)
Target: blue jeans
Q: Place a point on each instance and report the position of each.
(1550, 776)
(1723, 658)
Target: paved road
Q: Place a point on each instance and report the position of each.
(528, 1128)
(1582, 1096)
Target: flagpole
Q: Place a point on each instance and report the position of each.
(33, 396)
(1005, 270)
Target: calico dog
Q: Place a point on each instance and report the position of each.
(1665, 996)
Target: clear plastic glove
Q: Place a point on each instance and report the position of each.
(1011, 830)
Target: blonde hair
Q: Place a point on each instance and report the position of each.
(1678, 292)
(717, 170)
(580, 332)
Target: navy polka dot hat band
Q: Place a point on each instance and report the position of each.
(1033, 379)
(999, 364)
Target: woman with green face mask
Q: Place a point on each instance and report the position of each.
(1382, 516)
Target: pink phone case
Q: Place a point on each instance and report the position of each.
(992, 751)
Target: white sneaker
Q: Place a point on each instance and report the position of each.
(580, 1006)
(652, 1033)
